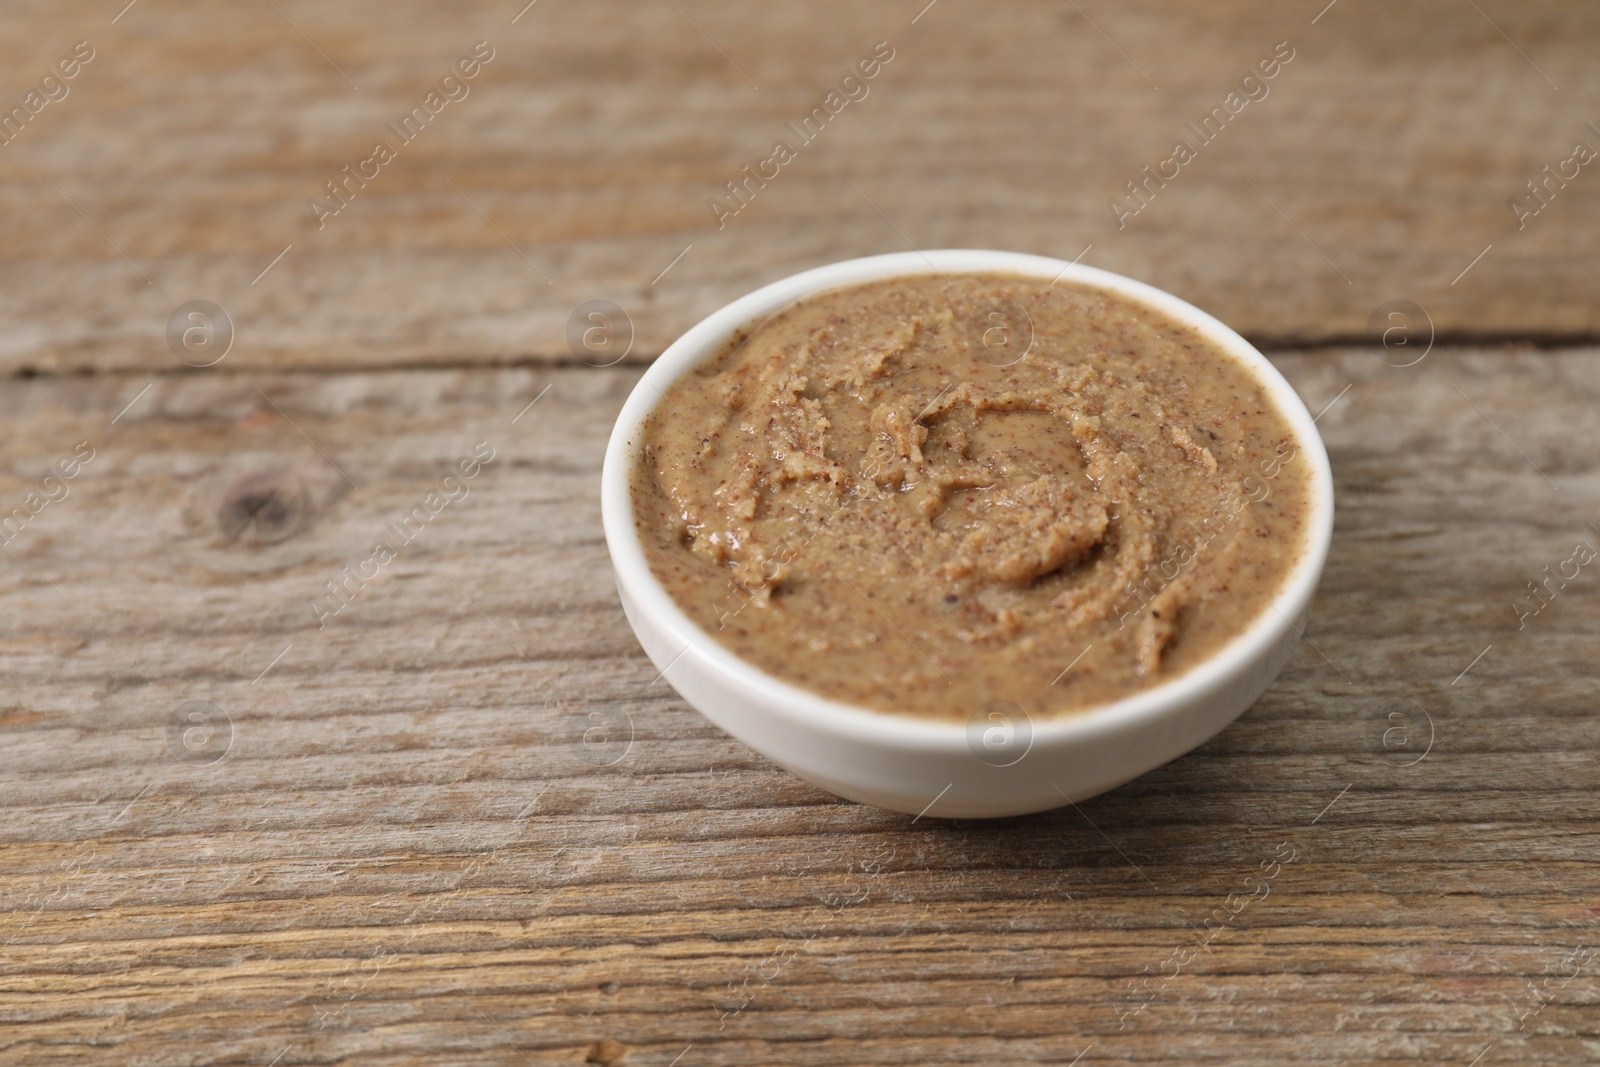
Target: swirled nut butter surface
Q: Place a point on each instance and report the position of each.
(926, 494)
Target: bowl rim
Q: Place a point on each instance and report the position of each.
(708, 339)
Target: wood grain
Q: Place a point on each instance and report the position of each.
(581, 164)
(464, 823)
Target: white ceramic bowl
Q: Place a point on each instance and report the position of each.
(933, 768)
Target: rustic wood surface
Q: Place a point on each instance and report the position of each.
(582, 161)
(460, 820)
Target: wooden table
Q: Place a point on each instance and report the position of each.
(460, 820)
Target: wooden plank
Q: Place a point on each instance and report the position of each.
(409, 851)
(582, 162)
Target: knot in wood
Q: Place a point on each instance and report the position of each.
(261, 507)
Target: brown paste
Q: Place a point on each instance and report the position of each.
(927, 494)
